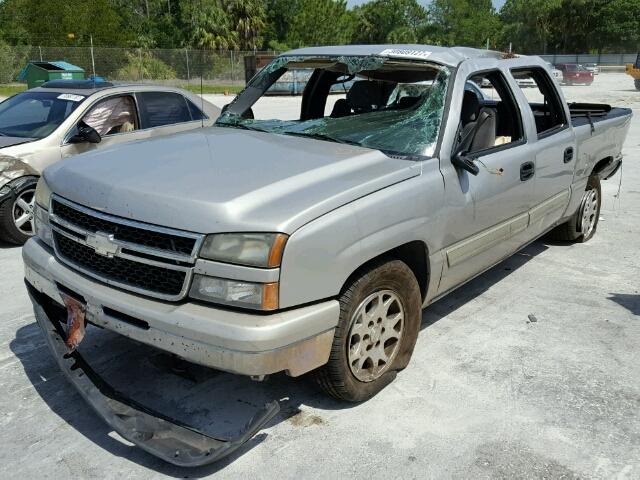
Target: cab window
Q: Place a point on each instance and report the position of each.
(491, 121)
(543, 99)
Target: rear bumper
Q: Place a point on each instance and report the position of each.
(153, 432)
(294, 341)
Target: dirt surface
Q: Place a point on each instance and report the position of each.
(489, 392)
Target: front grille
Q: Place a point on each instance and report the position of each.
(126, 233)
(120, 270)
(147, 259)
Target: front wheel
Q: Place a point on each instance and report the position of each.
(583, 223)
(380, 314)
(16, 214)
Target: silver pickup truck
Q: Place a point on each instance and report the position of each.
(306, 234)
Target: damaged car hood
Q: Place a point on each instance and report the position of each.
(224, 179)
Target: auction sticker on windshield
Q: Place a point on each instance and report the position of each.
(399, 52)
(71, 97)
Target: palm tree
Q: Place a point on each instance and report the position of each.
(249, 20)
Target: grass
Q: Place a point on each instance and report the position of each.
(232, 89)
(9, 90)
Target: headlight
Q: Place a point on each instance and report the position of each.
(43, 194)
(42, 225)
(258, 296)
(250, 249)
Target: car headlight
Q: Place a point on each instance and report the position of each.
(250, 249)
(43, 193)
(257, 296)
(42, 225)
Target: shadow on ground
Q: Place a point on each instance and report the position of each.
(215, 402)
(627, 300)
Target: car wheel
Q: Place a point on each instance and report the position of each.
(582, 225)
(380, 315)
(16, 214)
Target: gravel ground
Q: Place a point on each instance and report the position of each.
(488, 394)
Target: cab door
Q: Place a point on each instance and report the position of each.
(487, 213)
(555, 147)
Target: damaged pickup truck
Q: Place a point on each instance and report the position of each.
(310, 241)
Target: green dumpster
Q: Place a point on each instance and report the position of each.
(36, 73)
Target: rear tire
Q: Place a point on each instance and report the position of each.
(380, 316)
(582, 225)
(16, 214)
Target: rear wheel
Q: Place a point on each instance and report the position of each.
(380, 314)
(16, 214)
(582, 224)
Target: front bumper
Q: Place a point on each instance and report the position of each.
(295, 341)
(153, 432)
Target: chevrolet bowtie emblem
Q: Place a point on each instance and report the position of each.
(102, 243)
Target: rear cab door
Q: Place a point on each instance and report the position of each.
(487, 214)
(554, 142)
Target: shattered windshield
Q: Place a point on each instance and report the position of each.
(392, 105)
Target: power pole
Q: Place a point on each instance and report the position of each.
(93, 60)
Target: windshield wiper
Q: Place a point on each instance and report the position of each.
(322, 136)
(241, 126)
(3, 134)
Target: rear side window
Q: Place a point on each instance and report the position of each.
(543, 98)
(196, 113)
(162, 108)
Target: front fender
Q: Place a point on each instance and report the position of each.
(321, 256)
(13, 172)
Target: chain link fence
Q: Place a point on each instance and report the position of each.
(182, 67)
(178, 67)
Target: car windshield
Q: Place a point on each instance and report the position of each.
(36, 114)
(392, 105)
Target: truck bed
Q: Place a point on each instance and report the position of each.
(590, 113)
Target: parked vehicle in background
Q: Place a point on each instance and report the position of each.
(574, 73)
(555, 73)
(63, 118)
(310, 240)
(633, 69)
(592, 67)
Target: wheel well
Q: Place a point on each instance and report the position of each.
(601, 165)
(414, 254)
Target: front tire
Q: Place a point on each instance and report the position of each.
(16, 214)
(582, 225)
(380, 315)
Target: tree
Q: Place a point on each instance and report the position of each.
(208, 25)
(249, 19)
(319, 22)
(465, 22)
(376, 20)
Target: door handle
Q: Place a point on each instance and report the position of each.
(527, 169)
(568, 154)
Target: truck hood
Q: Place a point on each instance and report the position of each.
(225, 180)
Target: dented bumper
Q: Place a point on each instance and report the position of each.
(156, 433)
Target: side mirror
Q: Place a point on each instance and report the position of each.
(84, 134)
(460, 160)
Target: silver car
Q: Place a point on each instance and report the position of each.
(63, 118)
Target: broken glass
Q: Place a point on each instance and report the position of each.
(393, 128)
